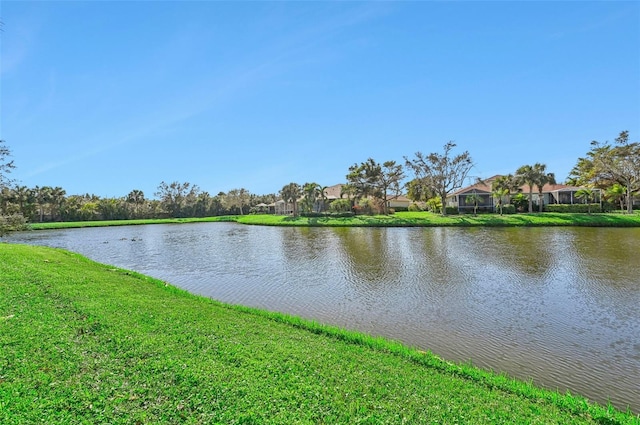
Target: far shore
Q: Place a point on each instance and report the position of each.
(399, 219)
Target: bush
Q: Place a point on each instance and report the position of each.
(340, 205)
(434, 204)
(12, 222)
(452, 210)
(508, 209)
(313, 214)
(399, 209)
(413, 207)
(520, 201)
(575, 208)
(364, 207)
(326, 214)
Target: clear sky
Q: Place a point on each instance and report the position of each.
(107, 97)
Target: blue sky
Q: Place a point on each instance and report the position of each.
(107, 97)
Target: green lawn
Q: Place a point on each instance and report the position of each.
(400, 219)
(88, 343)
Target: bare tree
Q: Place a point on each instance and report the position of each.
(5, 165)
(441, 173)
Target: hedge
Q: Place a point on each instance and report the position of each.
(575, 208)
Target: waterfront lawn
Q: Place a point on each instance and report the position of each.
(426, 219)
(399, 219)
(89, 343)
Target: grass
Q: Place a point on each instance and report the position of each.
(88, 343)
(400, 219)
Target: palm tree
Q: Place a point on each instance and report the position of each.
(500, 188)
(323, 197)
(542, 178)
(43, 198)
(618, 192)
(136, 197)
(23, 196)
(57, 199)
(290, 194)
(348, 190)
(526, 175)
(311, 194)
(588, 195)
(474, 199)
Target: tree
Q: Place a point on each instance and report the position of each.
(323, 197)
(237, 198)
(348, 190)
(340, 206)
(542, 178)
(519, 201)
(5, 165)
(500, 188)
(312, 192)
(434, 204)
(25, 198)
(588, 195)
(379, 181)
(56, 201)
(43, 198)
(617, 192)
(173, 196)
(441, 173)
(607, 164)
(203, 205)
(474, 199)
(619, 163)
(290, 194)
(528, 175)
(136, 198)
(417, 191)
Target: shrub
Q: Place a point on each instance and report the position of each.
(452, 210)
(434, 204)
(575, 208)
(508, 209)
(312, 214)
(365, 206)
(12, 222)
(520, 201)
(413, 207)
(340, 205)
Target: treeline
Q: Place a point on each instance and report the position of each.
(614, 168)
(40, 204)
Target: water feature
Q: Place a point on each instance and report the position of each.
(560, 306)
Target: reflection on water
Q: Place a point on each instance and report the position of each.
(560, 306)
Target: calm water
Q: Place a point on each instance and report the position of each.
(560, 306)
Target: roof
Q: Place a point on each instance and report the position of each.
(333, 192)
(485, 186)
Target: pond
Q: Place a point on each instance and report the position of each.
(559, 306)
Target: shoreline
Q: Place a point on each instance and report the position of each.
(399, 219)
(122, 323)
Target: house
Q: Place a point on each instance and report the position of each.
(482, 189)
(331, 193)
(399, 202)
(551, 194)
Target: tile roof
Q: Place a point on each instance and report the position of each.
(485, 186)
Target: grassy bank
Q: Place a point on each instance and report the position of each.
(400, 219)
(88, 343)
